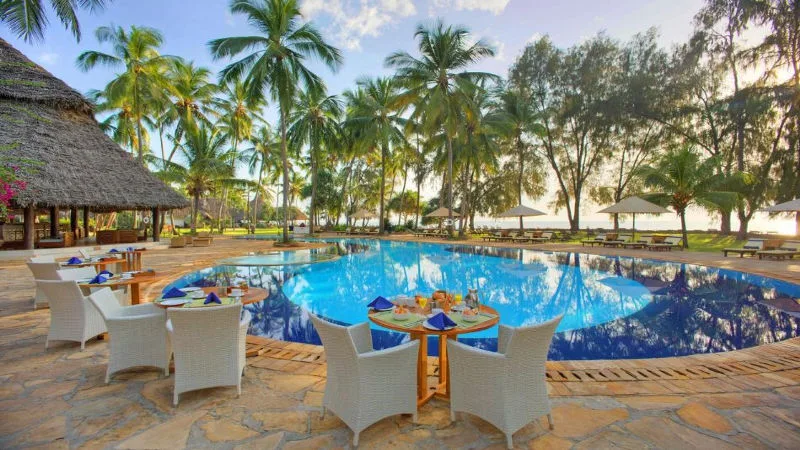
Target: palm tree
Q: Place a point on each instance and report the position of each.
(437, 80)
(680, 179)
(28, 19)
(277, 63)
(192, 93)
(207, 164)
(314, 121)
(143, 79)
(375, 115)
(119, 121)
(261, 158)
(237, 111)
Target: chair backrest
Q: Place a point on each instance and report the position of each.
(645, 239)
(42, 259)
(791, 245)
(624, 237)
(85, 253)
(66, 299)
(530, 344)
(76, 273)
(754, 244)
(673, 240)
(211, 332)
(340, 350)
(600, 237)
(44, 270)
(547, 234)
(107, 303)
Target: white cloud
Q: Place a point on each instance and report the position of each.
(499, 49)
(352, 20)
(48, 58)
(493, 6)
(535, 37)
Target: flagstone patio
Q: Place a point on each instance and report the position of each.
(57, 398)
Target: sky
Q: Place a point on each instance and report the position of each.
(369, 30)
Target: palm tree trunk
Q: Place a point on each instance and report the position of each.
(258, 192)
(313, 210)
(684, 233)
(343, 200)
(450, 185)
(195, 208)
(402, 194)
(383, 189)
(285, 162)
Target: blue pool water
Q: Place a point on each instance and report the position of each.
(614, 307)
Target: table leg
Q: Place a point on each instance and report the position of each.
(423, 394)
(444, 369)
(135, 294)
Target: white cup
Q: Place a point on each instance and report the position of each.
(236, 292)
(435, 311)
(127, 276)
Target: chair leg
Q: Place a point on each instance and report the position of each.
(83, 345)
(322, 416)
(415, 418)
(355, 439)
(452, 415)
(509, 441)
(108, 376)
(175, 399)
(550, 421)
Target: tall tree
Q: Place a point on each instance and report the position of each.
(277, 62)
(375, 113)
(261, 159)
(28, 18)
(314, 122)
(437, 81)
(142, 80)
(681, 179)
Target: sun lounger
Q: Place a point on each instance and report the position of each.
(496, 236)
(545, 237)
(789, 250)
(751, 247)
(669, 243)
(599, 239)
(618, 241)
(642, 242)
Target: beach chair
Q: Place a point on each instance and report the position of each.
(203, 239)
(493, 236)
(750, 248)
(618, 241)
(544, 237)
(598, 239)
(669, 243)
(787, 250)
(642, 242)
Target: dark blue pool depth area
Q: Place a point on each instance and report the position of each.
(614, 307)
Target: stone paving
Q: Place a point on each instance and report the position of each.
(57, 398)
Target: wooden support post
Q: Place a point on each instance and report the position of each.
(86, 222)
(54, 222)
(73, 219)
(156, 225)
(29, 230)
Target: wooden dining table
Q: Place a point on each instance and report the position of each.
(133, 258)
(133, 283)
(100, 265)
(251, 295)
(420, 333)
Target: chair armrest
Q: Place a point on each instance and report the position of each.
(504, 334)
(484, 367)
(396, 365)
(144, 308)
(135, 318)
(362, 337)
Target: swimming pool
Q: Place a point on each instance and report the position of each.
(289, 258)
(615, 307)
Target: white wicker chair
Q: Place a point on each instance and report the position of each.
(72, 316)
(85, 253)
(42, 271)
(89, 272)
(209, 347)
(364, 385)
(507, 388)
(137, 333)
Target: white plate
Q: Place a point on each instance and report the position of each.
(431, 327)
(384, 309)
(174, 302)
(190, 289)
(84, 280)
(197, 294)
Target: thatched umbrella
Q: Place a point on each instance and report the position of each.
(790, 206)
(45, 120)
(363, 214)
(522, 211)
(634, 205)
(441, 213)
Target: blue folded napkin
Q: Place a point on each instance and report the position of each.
(99, 279)
(212, 298)
(113, 250)
(74, 260)
(174, 293)
(380, 303)
(130, 249)
(106, 273)
(203, 283)
(441, 321)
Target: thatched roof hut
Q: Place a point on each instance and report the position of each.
(43, 119)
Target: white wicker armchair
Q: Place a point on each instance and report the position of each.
(365, 386)
(209, 347)
(137, 333)
(42, 259)
(507, 388)
(89, 272)
(72, 316)
(42, 271)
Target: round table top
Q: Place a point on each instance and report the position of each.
(252, 295)
(105, 261)
(419, 329)
(143, 277)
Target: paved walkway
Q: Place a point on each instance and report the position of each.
(57, 399)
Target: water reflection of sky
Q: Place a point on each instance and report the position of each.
(613, 307)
